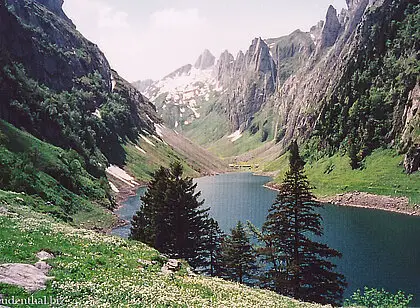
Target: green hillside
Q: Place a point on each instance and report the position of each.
(57, 177)
(382, 173)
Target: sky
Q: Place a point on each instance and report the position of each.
(149, 39)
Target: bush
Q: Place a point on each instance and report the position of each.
(371, 297)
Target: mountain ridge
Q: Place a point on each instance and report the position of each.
(279, 87)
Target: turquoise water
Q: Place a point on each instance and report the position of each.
(380, 249)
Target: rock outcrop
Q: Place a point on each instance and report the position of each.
(412, 159)
(410, 137)
(142, 85)
(26, 276)
(331, 28)
(30, 277)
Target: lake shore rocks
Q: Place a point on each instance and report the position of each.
(365, 200)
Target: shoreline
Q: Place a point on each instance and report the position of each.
(124, 192)
(358, 199)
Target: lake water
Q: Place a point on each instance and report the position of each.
(380, 249)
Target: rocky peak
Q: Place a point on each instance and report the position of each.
(239, 62)
(258, 56)
(331, 28)
(184, 70)
(205, 60)
(224, 67)
(316, 32)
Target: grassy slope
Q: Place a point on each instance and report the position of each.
(228, 149)
(142, 166)
(93, 270)
(208, 129)
(89, 213)
(383, 175)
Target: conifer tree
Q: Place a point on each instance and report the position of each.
(213, 244)
(171, 217)
(239, 262)
(299, 266)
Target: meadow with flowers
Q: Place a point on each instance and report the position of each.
(95, 270)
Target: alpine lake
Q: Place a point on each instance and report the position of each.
(380, 249)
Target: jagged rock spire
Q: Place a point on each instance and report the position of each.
(205, 60)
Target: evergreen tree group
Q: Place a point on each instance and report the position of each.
(172, 219)
(238, 257)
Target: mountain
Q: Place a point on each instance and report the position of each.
(69, 123)
(350, 83)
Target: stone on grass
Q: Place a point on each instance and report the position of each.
(43, 255)
(171, 266)
(26, 276)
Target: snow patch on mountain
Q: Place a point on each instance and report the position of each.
(235, 136)
(184, 86)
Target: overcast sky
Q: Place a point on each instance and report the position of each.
(151, 38)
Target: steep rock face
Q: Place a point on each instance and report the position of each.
(303, 92)
(55, 6)
(411, 133)
(250, 79)
(50, 48)
(293, 51)
(234, 87)
(224, 68)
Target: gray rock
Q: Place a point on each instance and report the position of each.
(205, 60)
(186, 69)
(26, 276)
(224, 68)
(43, 255)
(142, 85)
(55, 6)
(412, 159)
(171, 266)
(146, 262)
(190, 272)
(331, 28)
(43, 266)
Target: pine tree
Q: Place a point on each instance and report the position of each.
(299, 265)
(171, 217)
(239, 262)
(213, 244)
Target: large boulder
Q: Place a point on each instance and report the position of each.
(27, 276)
